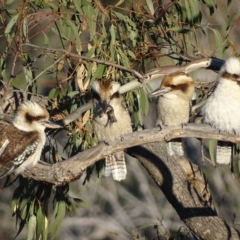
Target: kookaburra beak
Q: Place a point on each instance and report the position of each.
(160, 92)
(104, 105)
(50, 124)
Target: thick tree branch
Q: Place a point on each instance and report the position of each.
(67, 171)
(183, 184)
(168, 174)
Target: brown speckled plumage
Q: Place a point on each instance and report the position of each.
(14, 149)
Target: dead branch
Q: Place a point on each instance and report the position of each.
(67, 171)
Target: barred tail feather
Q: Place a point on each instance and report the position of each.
(175, 149)
(119, 172)
(223, 155)
(108, 165)
(116, 165)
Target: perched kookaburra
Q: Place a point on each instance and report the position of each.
(111, 121)
(22, 141)
(173, 106)
(222, 108)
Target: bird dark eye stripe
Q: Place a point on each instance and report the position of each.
(233, 77)
(30, 118)
(96, 95)
(115, 95)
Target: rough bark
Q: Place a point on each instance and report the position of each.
(192, 208)
(71, 169)
(182, 183)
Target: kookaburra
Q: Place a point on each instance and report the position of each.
(22, 141)
(111, 121)
(221, 109)
(173, 105)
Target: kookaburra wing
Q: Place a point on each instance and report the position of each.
(173, 106)
(221, 109)
(22, 141)
(111, 121)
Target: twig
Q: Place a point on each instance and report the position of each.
(59, 59)
(77, 56)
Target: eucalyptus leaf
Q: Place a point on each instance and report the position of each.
(31, 227)
(212, 150)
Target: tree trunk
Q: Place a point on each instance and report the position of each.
(192, 207)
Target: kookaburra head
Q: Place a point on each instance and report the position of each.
(111, 121)
(106, 92)
(22, 141)
(221, 107)
(30, 116)
(174, 96)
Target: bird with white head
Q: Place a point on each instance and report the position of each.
(173, 105)
(221, 109)
(21, 142)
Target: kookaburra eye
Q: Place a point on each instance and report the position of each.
(235, 75)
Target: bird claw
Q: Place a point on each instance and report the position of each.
(161, 126)
(106, 143)
(183, 125)
(111, 115)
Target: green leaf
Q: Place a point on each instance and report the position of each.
(25, 212)
(99, 73)
(45, 229)
(219, 42)
(150, 6)
(80, 202)
(53, 93)
(70, 206)
(45, 40)
(40, 222)
(188, 10)
(145, 226)
(72, 94)
(28, 74)
(144, 102)
(212, 150)
(15, 199)
(61, 210)
(74, 29)
(31, 227)
(11, 24)
(112, 32)
(194, 8)
(25, 27)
